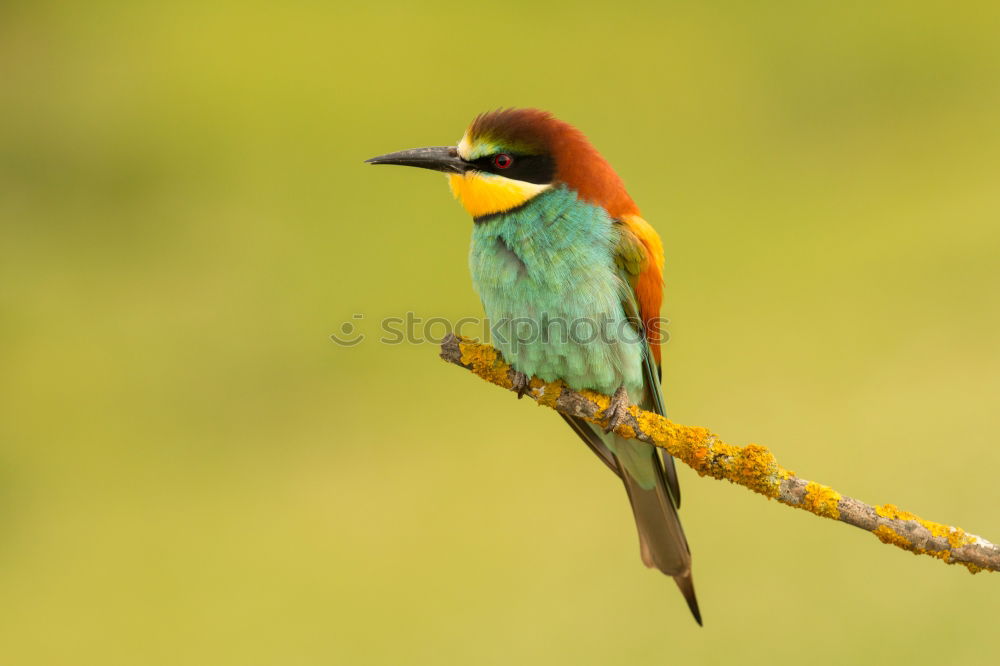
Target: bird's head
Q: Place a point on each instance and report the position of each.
(510, 156)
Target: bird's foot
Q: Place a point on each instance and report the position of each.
(521, 382)
(617, 409)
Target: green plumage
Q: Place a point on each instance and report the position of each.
(556, 277)
(548, 281)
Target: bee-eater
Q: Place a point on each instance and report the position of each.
(570, 275)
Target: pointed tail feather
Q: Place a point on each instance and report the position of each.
(662, 542)
(686, 585)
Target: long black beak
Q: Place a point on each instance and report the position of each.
(438, 158)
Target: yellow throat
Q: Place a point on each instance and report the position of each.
(486, 193)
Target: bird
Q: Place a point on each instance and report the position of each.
(571, 278)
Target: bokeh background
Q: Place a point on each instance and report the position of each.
(191, 472)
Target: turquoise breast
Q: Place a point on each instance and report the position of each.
(547, 278)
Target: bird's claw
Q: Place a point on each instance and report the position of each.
(520, 382)
(617, 409)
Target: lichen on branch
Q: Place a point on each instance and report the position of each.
(752, 466)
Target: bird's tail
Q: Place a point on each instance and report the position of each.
(662, 542)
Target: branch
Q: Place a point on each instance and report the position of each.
(751, 466)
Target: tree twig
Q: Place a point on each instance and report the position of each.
(750, 466)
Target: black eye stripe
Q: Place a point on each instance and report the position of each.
(530, 168)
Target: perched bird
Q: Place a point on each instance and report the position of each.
(570, 275)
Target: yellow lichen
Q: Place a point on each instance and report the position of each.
(886, 534)
(893, 512)
(678, 440)
(602, 401)
(486, 362)
(821, 500)
(757, 470)
(956, 536)
(625, 431)
(752, 466)
(548, 394)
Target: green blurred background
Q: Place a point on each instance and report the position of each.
(191, 472)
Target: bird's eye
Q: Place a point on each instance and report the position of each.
(503, 161)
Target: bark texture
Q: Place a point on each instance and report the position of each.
(752, 466)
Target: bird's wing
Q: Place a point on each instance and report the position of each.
(639, 258)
